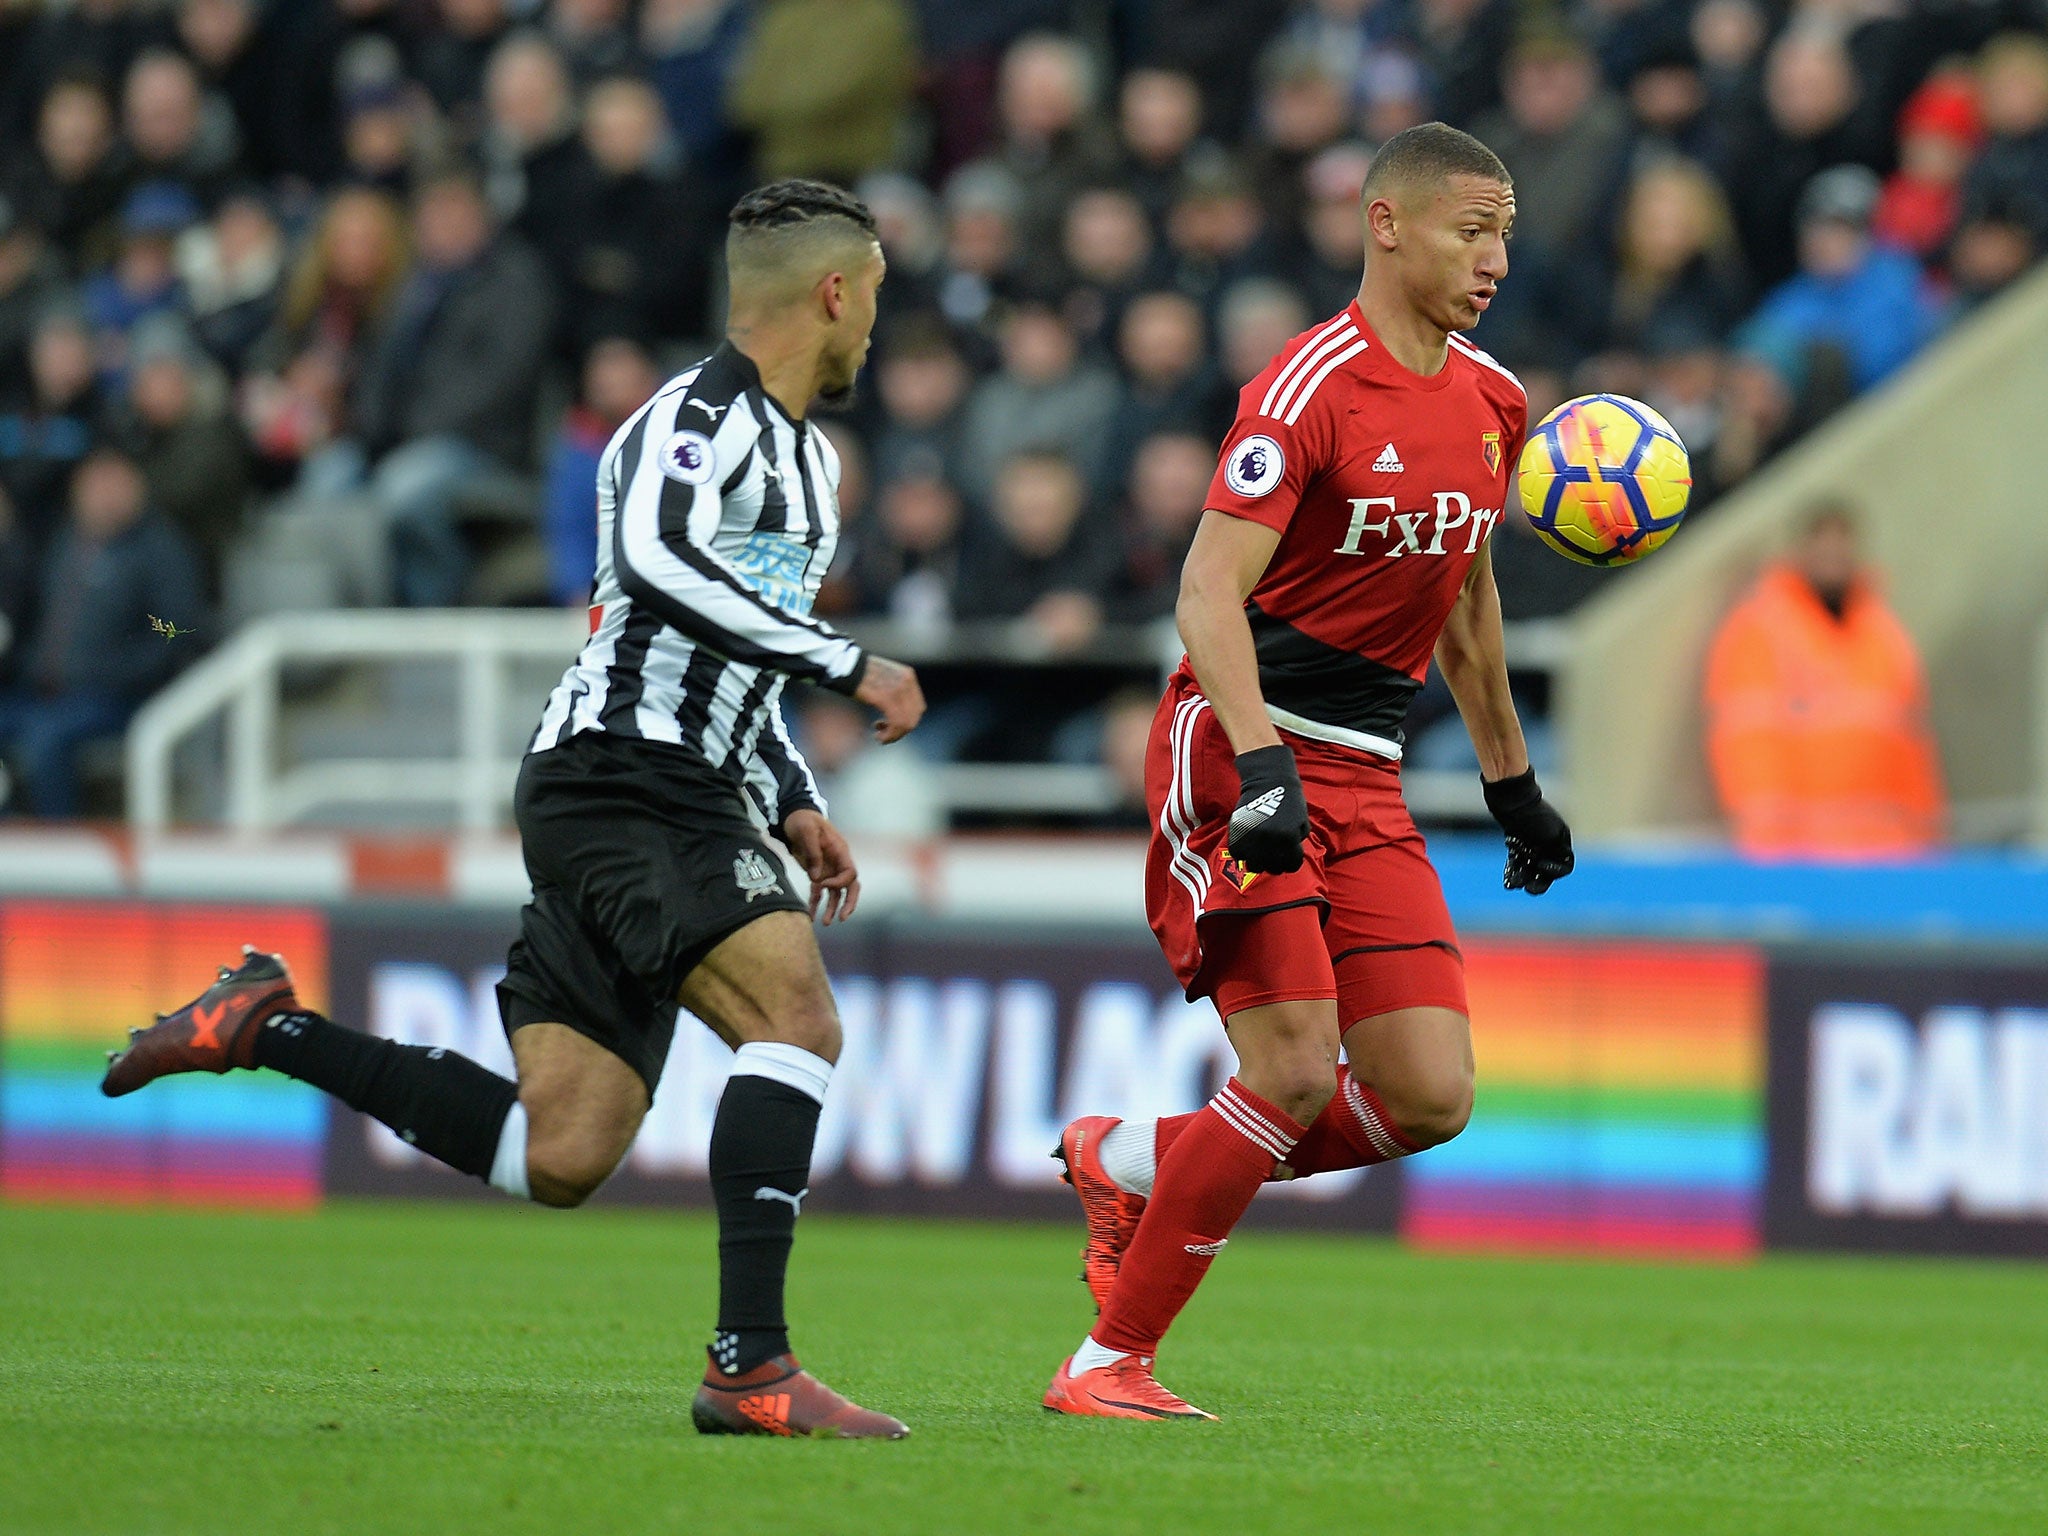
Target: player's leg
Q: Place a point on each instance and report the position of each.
(1287, 1053)
(580, 1106)
(442, 1103)
(762, 989)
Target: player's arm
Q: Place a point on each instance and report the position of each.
(1473, 657)
(661, 550)
(1224, 563)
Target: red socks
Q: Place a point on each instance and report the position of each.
(1353, 1131)
(1219, 1157)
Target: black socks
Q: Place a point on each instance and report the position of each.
(442, 1103)
(760, 1164)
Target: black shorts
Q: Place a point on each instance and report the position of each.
(642, 858)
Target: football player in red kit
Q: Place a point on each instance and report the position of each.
(1344, 544)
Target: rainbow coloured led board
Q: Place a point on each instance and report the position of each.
(1620, 1104)
(74, 977)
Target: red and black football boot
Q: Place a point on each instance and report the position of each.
(214, 1032)
(1111, 1213)
(780, 1397)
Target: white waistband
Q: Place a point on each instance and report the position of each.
(1315, 730)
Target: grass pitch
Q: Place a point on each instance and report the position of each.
(492, 1369)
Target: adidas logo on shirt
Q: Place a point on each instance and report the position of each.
(1389, 462)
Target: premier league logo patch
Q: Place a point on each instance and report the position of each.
(1489, 449)
(1254, 466)
(687, 457)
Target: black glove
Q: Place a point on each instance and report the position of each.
(1539, 843)
(1271, 818)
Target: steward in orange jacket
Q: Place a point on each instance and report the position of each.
(1817, 712)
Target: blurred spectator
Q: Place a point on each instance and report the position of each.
(93, 655)
(378, 132)
(983, 205)
(923, 383)
(1257, 318)
(871, 793)
(1304, 108)
(692, 48)
(1462, 43)
(1169, 383)
(1041, 558)
(528, 147)
(1817, 728)
(1940, 132)
(1672, 105)
(908, 570)
(1853, 297)
(1216, 43)
(44, 437)
(175, 132)
(1562, 136)
(630, 242)
(823, 85)
(618, 378)
(1050, 139)
(237, 67)
(143, 280)
(1216, 230)
(1043, 396)
(1159, 112)
(1333, 226)
(449, 394)
(1126, 731)
(233, 269)
(1169, 481)
(100, 38)
(452, 58)
(339, 294)
(1995, 245)
(595, 37)
(911, 232)
(17, 590)
(1816, 114)
(70, 183)
(1107, 252)
(177, 428)
(2012, 173)
(31, 280)
(1678, 268)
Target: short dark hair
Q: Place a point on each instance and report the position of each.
(1428, 153)
(774, 228)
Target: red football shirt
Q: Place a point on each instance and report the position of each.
(1383, 486)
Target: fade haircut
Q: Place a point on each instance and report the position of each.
(782, 237)
(1426, 156)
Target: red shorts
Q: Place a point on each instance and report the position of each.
(1385, 939)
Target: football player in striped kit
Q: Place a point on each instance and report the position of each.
(652, 884)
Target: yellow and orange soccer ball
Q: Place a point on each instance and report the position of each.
(1604, 479)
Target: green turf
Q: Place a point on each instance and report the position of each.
(500, 1370)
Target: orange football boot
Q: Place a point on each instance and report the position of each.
(780, 1397)
(1123, 1389)
(1111, 1213)
(215, 1032)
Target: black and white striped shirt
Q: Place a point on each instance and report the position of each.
(717, 516)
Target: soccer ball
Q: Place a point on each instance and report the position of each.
(1604, 479)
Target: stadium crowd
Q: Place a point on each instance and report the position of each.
(361, 287)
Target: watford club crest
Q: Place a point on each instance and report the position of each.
(1489, 449)
(1238, 875)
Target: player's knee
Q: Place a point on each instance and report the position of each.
(811, 1026)
(563, 1172)
(1435, 1109)
(1299, 1086)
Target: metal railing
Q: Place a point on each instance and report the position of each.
(241, 687)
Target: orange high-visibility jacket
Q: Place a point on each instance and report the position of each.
(1817, 727)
